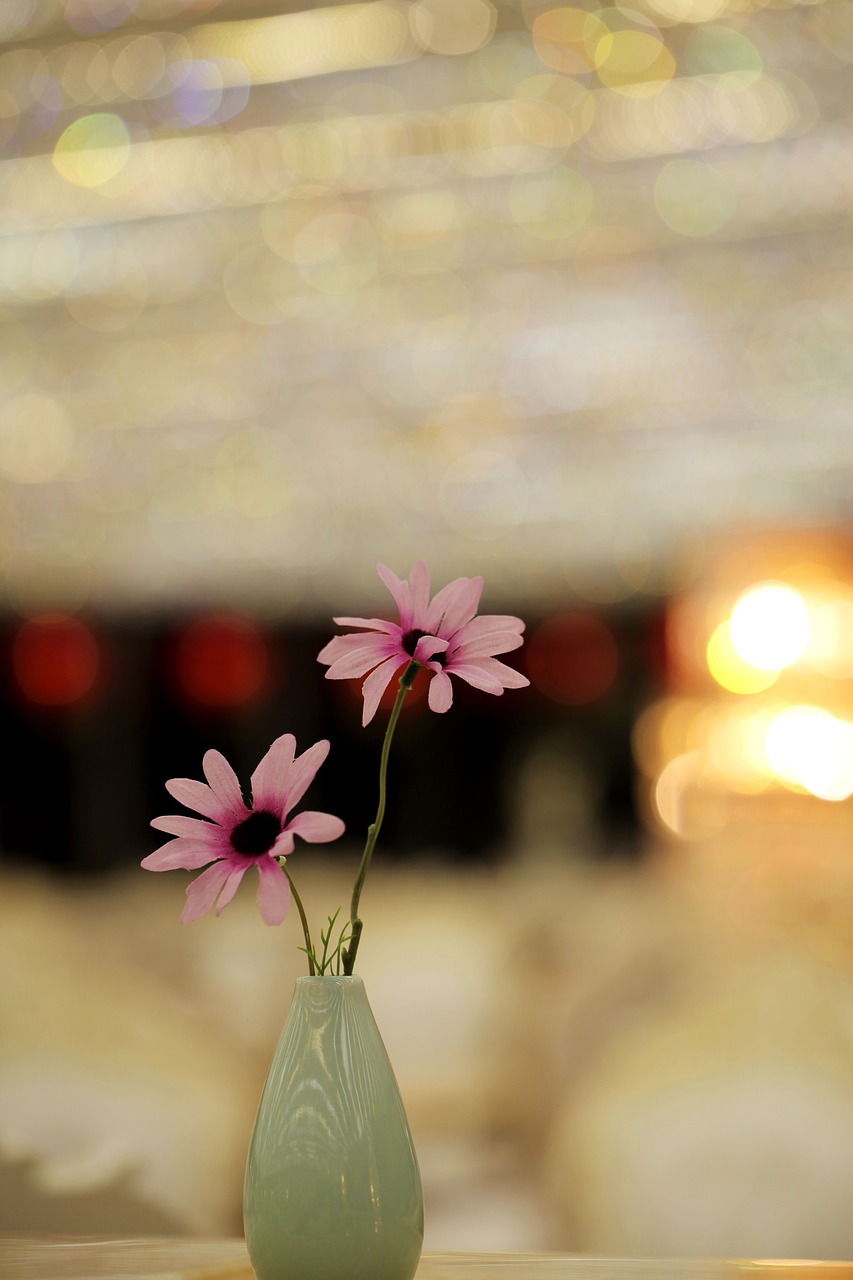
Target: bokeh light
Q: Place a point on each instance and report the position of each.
(770, 626)
(221, 661)
(573, 658)
(567, 39)
(56, 660)
(830, 643)
(771, 740)
(733, 671)
(452, 26)
(88, 17)
(93, 149)
(810, 748)
(634, 62)
(715, 50)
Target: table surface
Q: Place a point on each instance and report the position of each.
(65, 1258)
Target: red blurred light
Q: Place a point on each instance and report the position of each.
(221, 661)
(414, 698)
(573, 658)
(56, 660)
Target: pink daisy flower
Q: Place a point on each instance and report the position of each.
(238, 837)
(442, 634)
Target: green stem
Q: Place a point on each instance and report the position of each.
(406, 680)
(309, 950)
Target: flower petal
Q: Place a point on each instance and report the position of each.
(486, 636)
(340, 646)
(508, 676)
(440, 696)
(454, 605)
(273, 891)
(489, 675)
(371, 624)
(363, 657)
(427, 647)
(232, 884)
(178, 824)
(377, 650)
(474, 674)
(224, 785)
(198, 796)
(302, 773)
(269, 780)
(204, 890)
(316, 827)
(376, 684)
(401, 593)
(283, 847)
(183, 853)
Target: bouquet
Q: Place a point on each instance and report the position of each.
(441, 637)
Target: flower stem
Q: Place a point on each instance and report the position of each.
(309, 950)
(406, 680)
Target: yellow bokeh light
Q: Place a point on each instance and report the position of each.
(734, 738)
(681, 795)
(731, 670)
(452, 26)
(418, 214)
(93, 149)
(812, 750)
(567, 39)
(553, 110)
(695, 11)
(696, 113)
(830, 647)
(634, 62)
(770, 626)
(292, 46)
(670, 786)
(139, 65)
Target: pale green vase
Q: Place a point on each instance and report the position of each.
(333, 1190)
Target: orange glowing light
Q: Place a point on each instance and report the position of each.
(770, 626)
(728, 667)
(812, 750)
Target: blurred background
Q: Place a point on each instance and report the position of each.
(559, 295)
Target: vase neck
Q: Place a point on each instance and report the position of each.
(329, 993)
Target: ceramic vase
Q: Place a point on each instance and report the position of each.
(332, 1190)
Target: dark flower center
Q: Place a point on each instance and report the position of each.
(410, 641)
(256, 834)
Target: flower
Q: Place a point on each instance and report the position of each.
(238, 837)
(470, 654)
(442, 634)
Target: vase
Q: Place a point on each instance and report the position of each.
(333, 1189)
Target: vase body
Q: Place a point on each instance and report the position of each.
(333, 1190)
